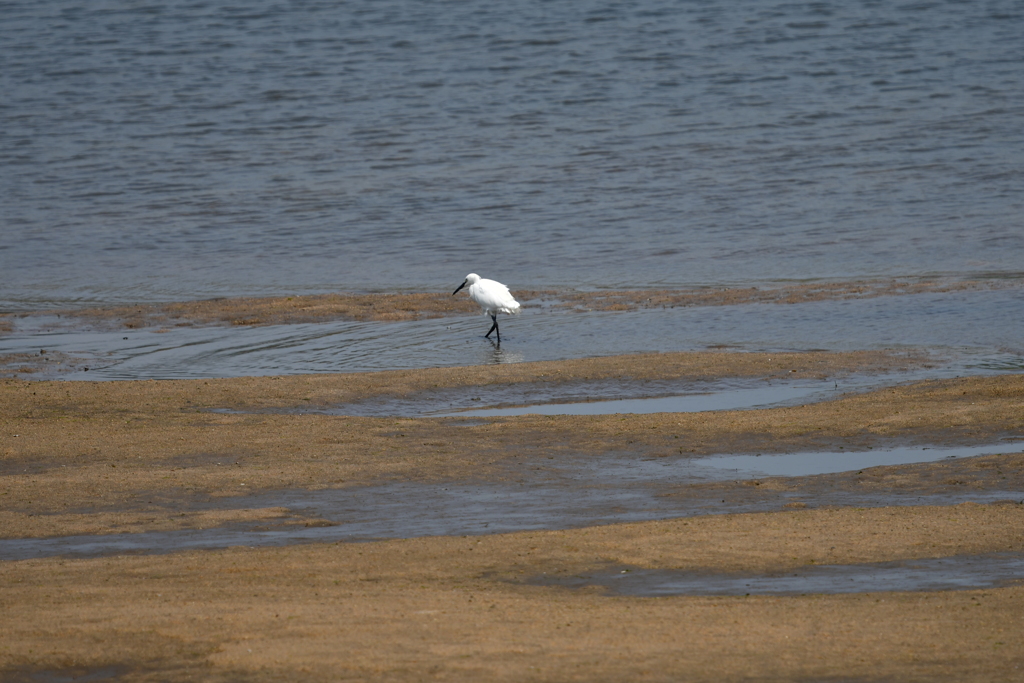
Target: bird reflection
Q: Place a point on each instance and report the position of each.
(499, 356)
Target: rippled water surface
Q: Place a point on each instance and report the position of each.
(175, 151)
(967, 332)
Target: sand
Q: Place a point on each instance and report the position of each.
(460, 608)
(94, 458)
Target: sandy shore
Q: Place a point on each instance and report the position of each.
(129, 457)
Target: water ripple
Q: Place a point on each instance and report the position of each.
(175, 153)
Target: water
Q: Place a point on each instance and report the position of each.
(570, 493)
(598, 397)
(177, 151)
(805, 464)
(958, 572)
(728, 399)
(968, 333)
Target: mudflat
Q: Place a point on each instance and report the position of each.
(247, 311)
(84, 458)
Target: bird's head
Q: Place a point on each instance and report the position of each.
(471, 279)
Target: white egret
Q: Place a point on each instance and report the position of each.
(492, 296)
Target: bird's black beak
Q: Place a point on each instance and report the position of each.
(459, 287)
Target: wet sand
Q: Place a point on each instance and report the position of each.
(111, 447)
(468, 609)
(93, 458)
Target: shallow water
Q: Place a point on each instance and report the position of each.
(970, 333)
(411, 510)
(594, 397)
(584, 492)
(177, 152)
(729, 399)
(805, 464)
(958, 572)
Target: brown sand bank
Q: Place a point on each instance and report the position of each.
(463, 609)
(791, 294)
(130, 456)
(418, 305)
(94, 457)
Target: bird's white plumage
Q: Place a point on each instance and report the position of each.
(491, 296)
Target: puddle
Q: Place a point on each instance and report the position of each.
(601, 397)
(608, 396)
(726, 399)
(672, 470)
(812, 463)
(959, 572)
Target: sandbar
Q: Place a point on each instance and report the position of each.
(131, 457)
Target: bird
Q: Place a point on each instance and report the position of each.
(491, 296)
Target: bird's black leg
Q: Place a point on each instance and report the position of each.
(493, 328)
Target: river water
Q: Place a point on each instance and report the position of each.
(166, 151)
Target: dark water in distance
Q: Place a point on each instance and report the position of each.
(182, 150)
